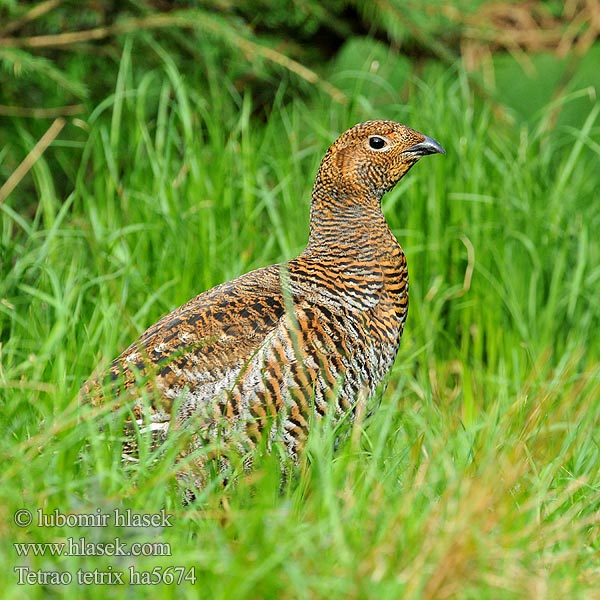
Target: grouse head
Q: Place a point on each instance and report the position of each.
(370, 158)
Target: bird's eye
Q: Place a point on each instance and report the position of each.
(377, 143)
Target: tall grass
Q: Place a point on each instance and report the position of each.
(477, 478)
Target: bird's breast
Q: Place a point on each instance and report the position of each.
(365, 302)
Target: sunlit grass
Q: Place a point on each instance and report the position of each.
(478, 476)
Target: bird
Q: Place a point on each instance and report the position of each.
(263, 356)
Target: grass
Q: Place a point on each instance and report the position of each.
(477, 477)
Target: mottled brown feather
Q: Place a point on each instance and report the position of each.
(284, 344)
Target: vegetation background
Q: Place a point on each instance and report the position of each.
(152, 149)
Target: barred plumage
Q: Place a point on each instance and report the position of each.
(287, 343)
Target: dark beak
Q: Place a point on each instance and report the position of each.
(427, 146)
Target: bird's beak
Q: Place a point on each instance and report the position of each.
(427, 146)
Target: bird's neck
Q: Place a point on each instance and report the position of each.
(346, 225)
